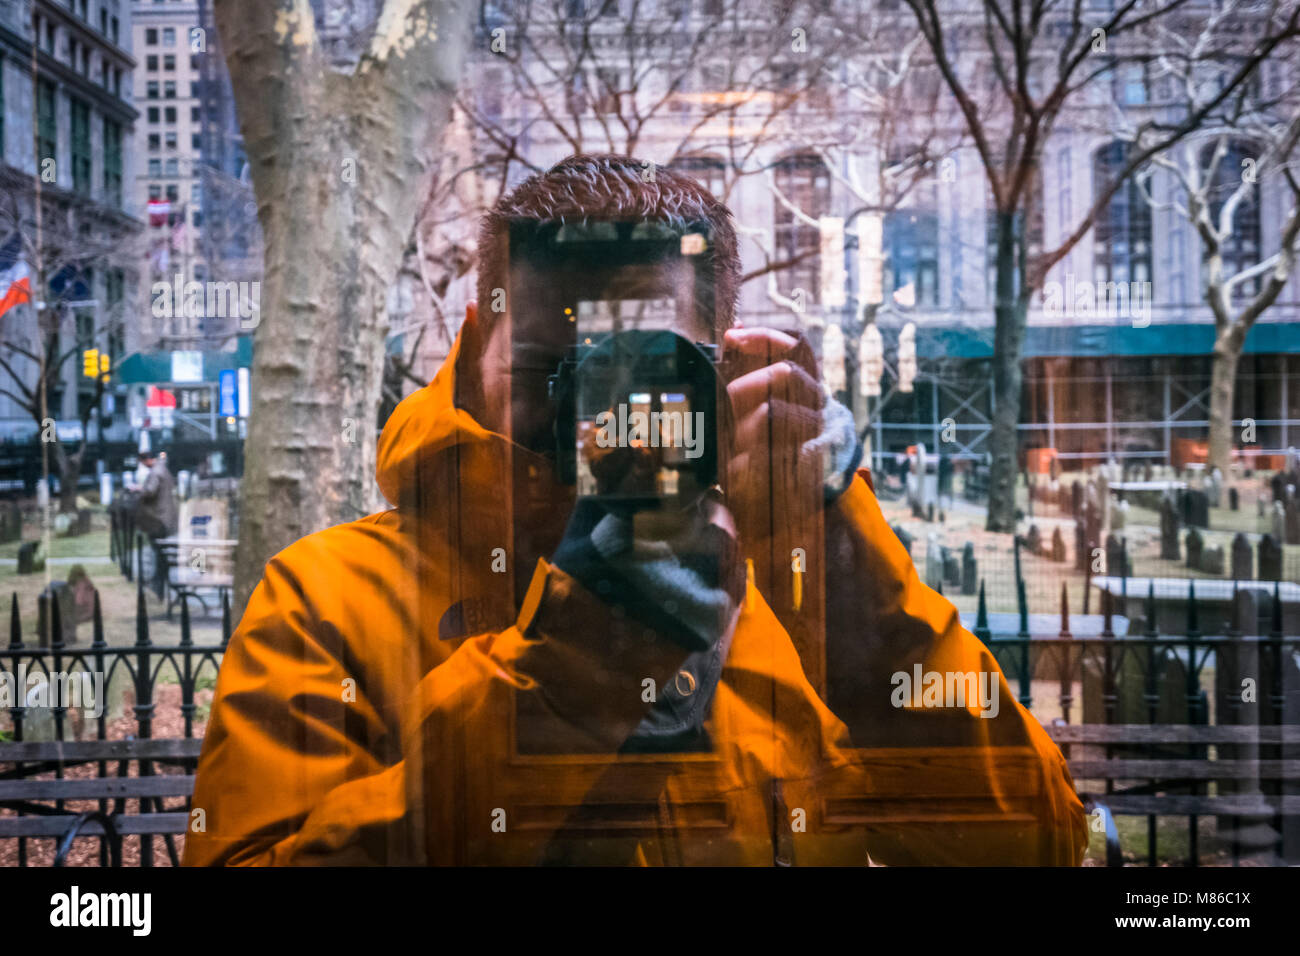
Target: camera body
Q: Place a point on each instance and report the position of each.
(615, 317)
(636, 419)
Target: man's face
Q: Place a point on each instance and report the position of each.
(551, 309)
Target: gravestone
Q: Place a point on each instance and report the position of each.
(1092, 524)
(1214, 488)
(1058, 544)
(1116, 559)
(56, 591)
(1054, 468)
(1212, 560)
(1034, 540)
(1119, 516)
(1198, 509)
(1243, 559)
(1076, 499)
(1234, 499)
(1080, 548)
(1146, 473)
(1270, 558)
(1259, 506)
(933, 561)
(1279, 521)
(31, 557)
(1169, 550)
(1195, 545)
(83, 593)
(951, 568)
(905, 538)
(11, 522)
(968, 569)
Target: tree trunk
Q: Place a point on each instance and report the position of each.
(69, 478)
(339, 165)
(1009, 314)
(1223, 384)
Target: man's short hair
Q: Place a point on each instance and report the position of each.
(614, 188)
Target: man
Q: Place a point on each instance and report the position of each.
(499, 670)
(157, 513)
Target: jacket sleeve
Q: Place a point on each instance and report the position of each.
(982, 784)
(289, 773)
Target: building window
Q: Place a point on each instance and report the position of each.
(151, 37)
(155, 191)
(117, 82)
(173, 192)
(168, 36)
(151, 62)
(911, 248)
(169, 139)
(155, 142)
(194, 114)
(113, 28)
(155, 167)
(169, 114)
(708, 172)
(196, 141)
(173, 167)
(49, 37)
(1240, 248)
(151, 90)
(81, 163)
(169, 61)
(806, 184)
(1122, 234)
(169, 90)
(194, 89)
(112, 162)
(47, 126)
(154, 114)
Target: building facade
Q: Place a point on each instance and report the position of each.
(66, 151)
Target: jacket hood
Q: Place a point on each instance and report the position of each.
(423, 429)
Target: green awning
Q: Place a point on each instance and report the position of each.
(1095, 341)
(156, 367)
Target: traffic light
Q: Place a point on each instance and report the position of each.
(105, 366)
(90, 363)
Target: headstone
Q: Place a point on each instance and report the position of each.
(1279, 521)
(903, 537)
(968, 569)
(1212, 560)
(31, 557)
(1234, 499)
(83, 593)
(1102, 485)
(1119, 516)
(1116, 559)
(1034, 540)
(1169, 550)
(1146, 473)
(1198, 508)
(1214, 488)
(62, 523)
(1270, 558)
(1054, 468)
(1091, 525)
(951, 568)
(1080, 547)
(929, 512)
(56, 591)
(933, 561)
(11, 522)
(1259, 506)
(1243, 559)
(1195, 545)
(1076, 499)
(1058, 544)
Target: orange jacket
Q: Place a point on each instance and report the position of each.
(384, 701)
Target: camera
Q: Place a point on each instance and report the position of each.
(637, 418)
(615, 316)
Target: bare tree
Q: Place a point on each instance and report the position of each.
(1012, 67)
(60, 253)
(1249, 139)
(340, 135)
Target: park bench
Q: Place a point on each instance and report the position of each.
(1161, 785)
(193, 567)
(20, 761)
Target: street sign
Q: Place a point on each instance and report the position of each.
(228, 405)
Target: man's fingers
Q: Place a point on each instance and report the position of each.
(743, 347)
(783, 381)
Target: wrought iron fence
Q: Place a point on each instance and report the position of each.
(140, 667)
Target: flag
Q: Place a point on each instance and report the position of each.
(159, 209)
(15, 286)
